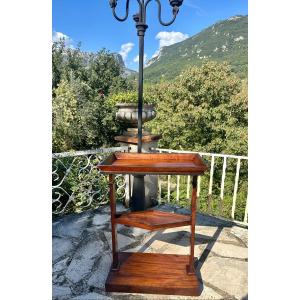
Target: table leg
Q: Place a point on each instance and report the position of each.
(191, 268)
(114, 240)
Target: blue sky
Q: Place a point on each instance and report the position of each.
(91, 22)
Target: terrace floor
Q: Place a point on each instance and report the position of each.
(82, 254)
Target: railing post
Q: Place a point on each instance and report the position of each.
(246, 211)
(159, 189)
(222, 185)
(159, 184)
(236, 183)
(169, 187)
(211, 182)
(198, 186)
(177, 189)
(188, 187)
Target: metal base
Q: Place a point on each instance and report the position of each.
(138, 201)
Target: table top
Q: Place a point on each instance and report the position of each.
(153, 163)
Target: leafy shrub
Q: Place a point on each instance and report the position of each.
(203, 109)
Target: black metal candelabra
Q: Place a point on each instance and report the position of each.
(138, 195)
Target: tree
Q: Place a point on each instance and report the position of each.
(57, 62)
(82, 115)
(67, 62)
(82, 118)
(203, 109)
(64, 117)
(104, 73)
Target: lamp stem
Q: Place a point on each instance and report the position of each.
(141, 35)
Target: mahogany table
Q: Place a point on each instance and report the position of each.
(151, 272)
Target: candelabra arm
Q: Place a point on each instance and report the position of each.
(147, 2)
(175, 12)
(126, 15)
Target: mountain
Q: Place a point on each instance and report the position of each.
(88, 56)
(226, 40)
(126, 72)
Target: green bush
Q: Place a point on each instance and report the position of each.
(203, 109)
(131, 97)
(83, 116)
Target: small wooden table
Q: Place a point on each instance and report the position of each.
(151, 272)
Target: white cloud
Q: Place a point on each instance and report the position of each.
(136, 59)
(125, 49)
(57, 36)
(169, 38)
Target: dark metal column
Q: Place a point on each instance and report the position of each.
(138, 200)
(141, 33)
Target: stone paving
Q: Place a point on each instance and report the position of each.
(82, 254)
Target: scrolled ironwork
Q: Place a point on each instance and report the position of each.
(175, 12)
(113, 5)
(78, 185)
(141, 16)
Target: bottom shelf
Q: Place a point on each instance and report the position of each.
(152, 273)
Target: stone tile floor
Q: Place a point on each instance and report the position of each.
(82, 254)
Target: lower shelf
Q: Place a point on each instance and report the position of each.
(153, 219)
(152, 273)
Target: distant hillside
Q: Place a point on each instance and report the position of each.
(87, 56)
(224, 41)
(127, 72)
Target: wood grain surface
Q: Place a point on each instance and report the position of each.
(152, 219)
(153, 163)
(153, 273)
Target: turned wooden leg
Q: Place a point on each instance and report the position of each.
(191, 268)
(114, 240)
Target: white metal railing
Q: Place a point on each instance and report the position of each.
(76, 181)
(212, 157)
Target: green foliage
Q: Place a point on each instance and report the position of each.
(203, 109)
(65, 117)
(57, 62)
(225, 41)
(104, 73)
(131, 97)
(83, 116)
(66, 62)
(102, 70)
